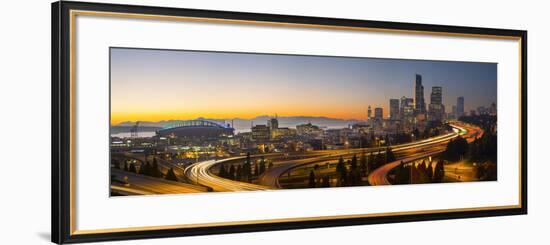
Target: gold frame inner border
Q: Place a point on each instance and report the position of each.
(72, 32)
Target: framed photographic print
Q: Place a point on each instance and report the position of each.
(174, 122)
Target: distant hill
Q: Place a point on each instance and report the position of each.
(242, 125)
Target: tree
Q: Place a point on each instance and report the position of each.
(430, 172)
(342, 171)
(247, 168)
(390, 157)
(222, 173)
(371, 165)
(170, 175)
(354, 172)
(456, 149)
(232, 172)
(132, 168)
(262, 165)
(154, 171)
(145, 169)
(340, 166)
(363, 164)
(421, 173)
(115, 163)
(439, 172)
(402, 174)
(353, 163)
(325, 182)
(311, 182)
(416, 134)
(238, 173)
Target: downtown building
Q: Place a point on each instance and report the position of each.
(436, 110)
(419, 103)
(406, 113)
(394, 109)
(459, 107)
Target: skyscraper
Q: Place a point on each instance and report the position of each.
(369, 113)
(407, 109)
(378, 114)
(459, 107)
(273, 123)
(436, 108)
(419, 103)
(394, 109)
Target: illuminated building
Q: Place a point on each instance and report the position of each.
(436, 108)
(394, 109)
(459, 107)
(308, 129)
(419, 103)
(196, 129)
(273, 123)
(378, 114)
(406, 110)
(282, 132)
(260, 133)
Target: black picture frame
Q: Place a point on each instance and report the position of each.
(61, 129)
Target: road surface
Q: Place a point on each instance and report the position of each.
(379, 175)
(145, 185)
(200, 173)
(271, 177)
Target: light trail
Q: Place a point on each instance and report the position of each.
(379, 175)
(200, 172)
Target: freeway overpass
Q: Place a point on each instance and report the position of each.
(201, 171)
(127, 183)
(379, 175)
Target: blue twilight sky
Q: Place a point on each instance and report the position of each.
(153, 85)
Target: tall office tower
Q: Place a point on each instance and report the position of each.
(459, 107)
(436, 109)
(406, 112)
(378, 114)
(419, 103)
(273, 123)
(453, 112)
(394, 109)
(369, 113)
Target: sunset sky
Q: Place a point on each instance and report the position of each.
(154, 85)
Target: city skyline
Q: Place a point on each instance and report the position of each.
(155, 85)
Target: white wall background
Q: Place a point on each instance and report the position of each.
(25, 122)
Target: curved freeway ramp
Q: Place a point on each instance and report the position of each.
(200, 173)
(379, 175)
(271, 177)
(145, 185)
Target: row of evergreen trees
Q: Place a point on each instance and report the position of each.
(350, 172)
(482, 150)
(246, 171)
(419, 173)
(148, 169)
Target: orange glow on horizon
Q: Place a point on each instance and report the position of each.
(155, 116)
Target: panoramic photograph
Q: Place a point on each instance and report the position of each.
(185, 121)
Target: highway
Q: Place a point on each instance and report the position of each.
(201, 171)
(144, 185)
(379, 175)
(271, 177)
